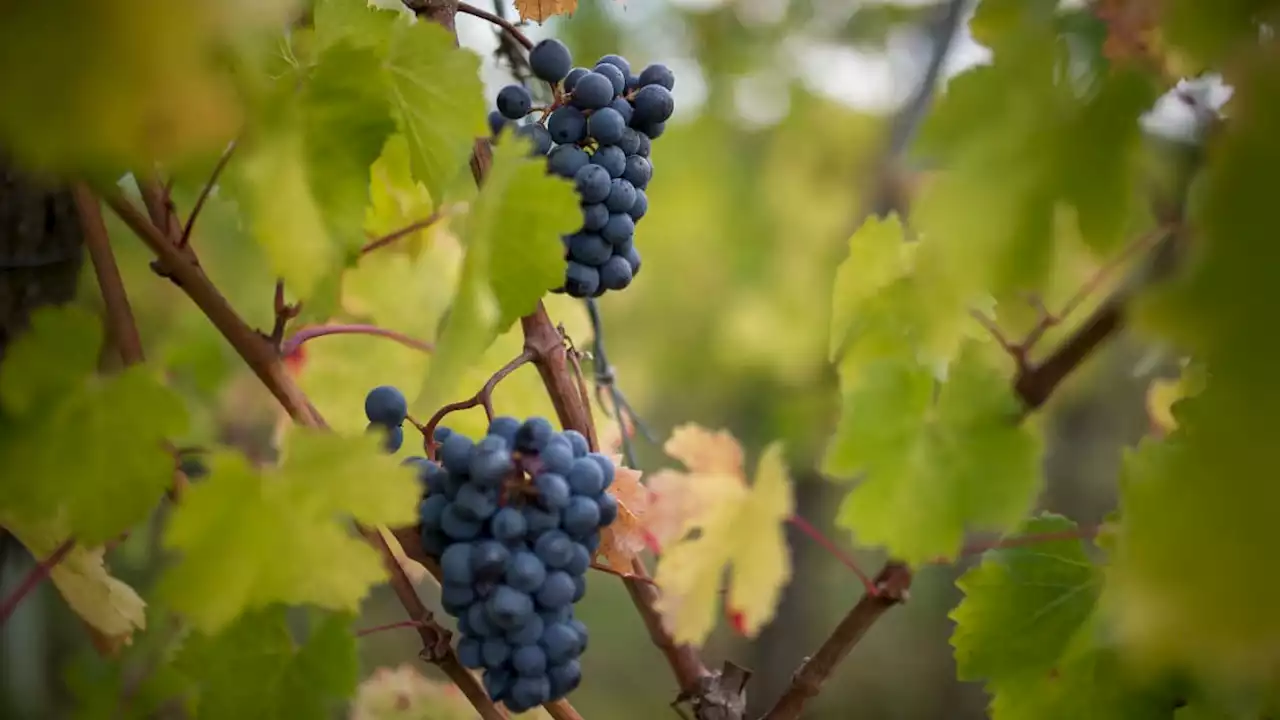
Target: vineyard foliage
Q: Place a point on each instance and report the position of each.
(1053, 215)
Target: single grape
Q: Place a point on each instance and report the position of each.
(630, 141)
(624, 247)
(508, 524)
(497, 682)
(644, 146)
(633, 82)
(578, 441)
(579, 588)
(589, 249)
(525, 571)
(556, 455)
(430, 510)
(633, 259)
(585, 478)
(571, 80)
(386, 405)
(456, 526)
(564, 677)
(653, 105)
(455, 564)
(554, 548)
(658, 74)
(455, 454)
(567, 125)
(612, 159)
(603, 462)
(639, 207)
(529, 660)
(529, 633)
(581, 517)
(478, 621)
(622, 195)
(495, 651)
(606, 125)
(592, 92)
(538, 135)
(617, 61)
(566, 160)
(441, 433)
(580, 628)
(560, 642)
(508, 607)
(514, 101)
(469, 653)
(539, 520)
(553, 491)
(617, 78)
(638, 172)
(581, 560)
(623, 108)
(534, 434)
(452, 594)
(504, 426)
(592, 541)
(489, 467)
(580, 280)
(528, 693)
(615, 274)
(550, 60)
(594, 217)
(475, 502)
(618, 230)
(488, 559)
(497, 122)
(608, 509)
(593, 183)
(392, 437)
(651, 130)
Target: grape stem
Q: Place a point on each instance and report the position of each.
(506, 25)
(409, 229)
(205, 192)
(814, 534)
(33, 579)
(264, 360)
(624, 575)
(296, 341)
(483, 397)
(388, 626)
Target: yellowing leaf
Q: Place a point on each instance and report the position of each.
(403, 693)
(250, 539)
(1165, 393)
(398, 200)
(878, 256)
(105, 603)
(541, 10)
(623, 540)
(743, 533)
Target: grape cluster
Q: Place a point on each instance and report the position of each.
(514, 520)
(597, 132)
(387, 408)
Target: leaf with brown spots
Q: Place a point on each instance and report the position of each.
(540, 10)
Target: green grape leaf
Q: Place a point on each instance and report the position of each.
(934, 470)
(1028, 627)
(877, 257)
(398, 200)
(513, 257)
(251, 538)
(1212, 33)
(107, 474)
(1197, 509)
(1023, 605)
(436, 90)
(353, 21)
(346, 120)
(254, 669)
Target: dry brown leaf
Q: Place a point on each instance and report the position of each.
(623, 540)
(539, 10)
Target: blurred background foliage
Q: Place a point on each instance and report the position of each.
(783, 110)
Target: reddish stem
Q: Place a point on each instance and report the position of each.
(33, 579)
(389, 626)
(977, 548)
(295, 341)
(814, 534)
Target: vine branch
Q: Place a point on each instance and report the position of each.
(410, 229)
(483, 397)
(204, 194)
(506, 25)
(296, 341)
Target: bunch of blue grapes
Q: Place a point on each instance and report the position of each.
(514, 521)
(597, 132)
(386, 408)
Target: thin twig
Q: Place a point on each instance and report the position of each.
(501, 22)
(204, 194)
(980, 547)
(483, 397)
(119, 315)
(388, 626)
(410, 229)
(606, 381)
(33, 579)
(295, 341)
(284, 312)
(814, 534)
(621, 574)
